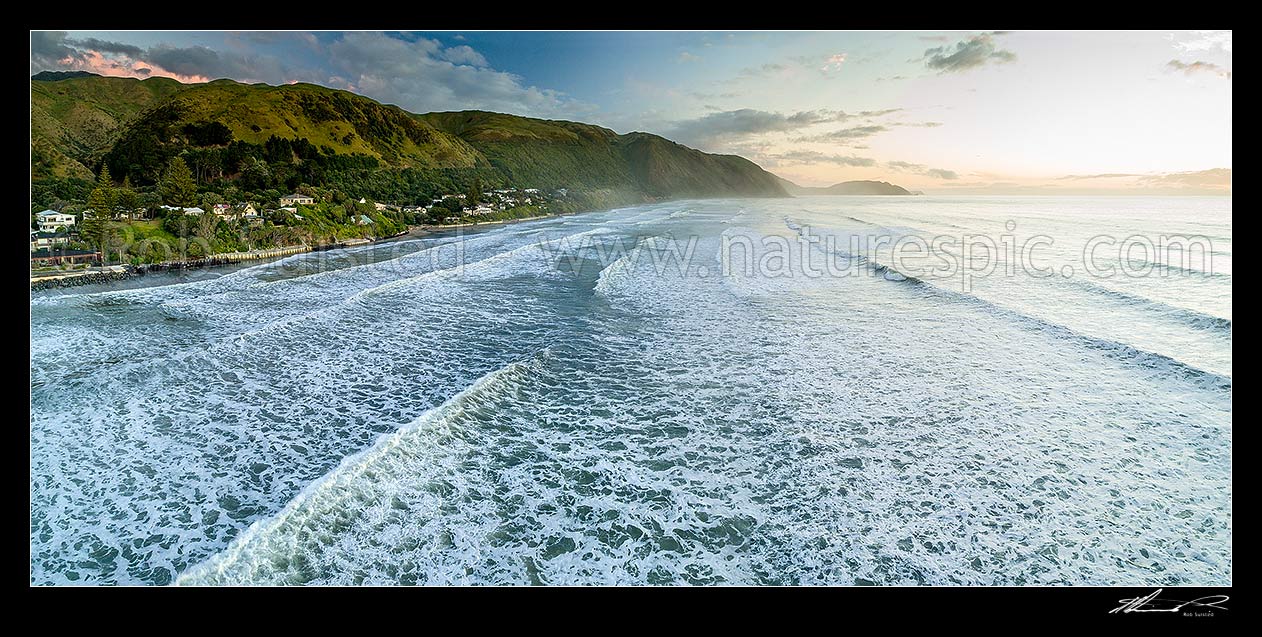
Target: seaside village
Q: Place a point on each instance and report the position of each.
(56, 239)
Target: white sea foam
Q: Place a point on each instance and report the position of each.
(399, 424)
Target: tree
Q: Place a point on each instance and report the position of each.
(207, 224)
(177, 186)
(256, 175)
(95, 227)
(101, 201)
(102, 198)
(103, 180)
(474, 197)
(125, 198)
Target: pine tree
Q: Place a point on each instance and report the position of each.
(103, 180)
(177, 186)
(474, 197)
(125, 198)
(95, 225)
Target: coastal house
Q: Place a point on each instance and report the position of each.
(380, 207)
(222, 210)
(47, 239)
(296, 199)
(252, 219)
(48, 256)
(363, 220)
(290, 209)
(193, 212)
(51, 220)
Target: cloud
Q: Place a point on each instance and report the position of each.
(760, 71)
(879, 113)
(105, 46)
(200, 61)
(416, 73)
(972, 53)
(833, 62)
(813, 157)
(1188, 68)
(846, 135)
(1204, 41)
(921, 169)
(49, 50)
(685, 56)
(727, 125)
(463, 54)
(941, 173)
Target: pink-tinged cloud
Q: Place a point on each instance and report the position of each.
(121, 66)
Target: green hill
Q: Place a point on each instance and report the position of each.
(554, 153)
(75, 119)
(264, 137)
(341, 122)
(666, 169)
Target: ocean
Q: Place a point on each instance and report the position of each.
(817, 390)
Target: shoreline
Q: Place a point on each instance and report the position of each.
(114, 273)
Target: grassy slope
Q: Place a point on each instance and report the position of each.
(550, 153)
(540, 153)
(529, 152)
(665, 168)
(74, 121)
(343, 121)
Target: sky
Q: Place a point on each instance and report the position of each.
(969, 112)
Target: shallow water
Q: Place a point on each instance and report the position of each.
(547, 402)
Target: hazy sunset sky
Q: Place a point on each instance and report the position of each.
(975, 112)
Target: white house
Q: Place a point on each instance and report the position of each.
(51, 220)
(194, 211)
(47, 240)
(296, 199)
(379, 206)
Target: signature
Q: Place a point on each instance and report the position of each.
(1154, 604)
